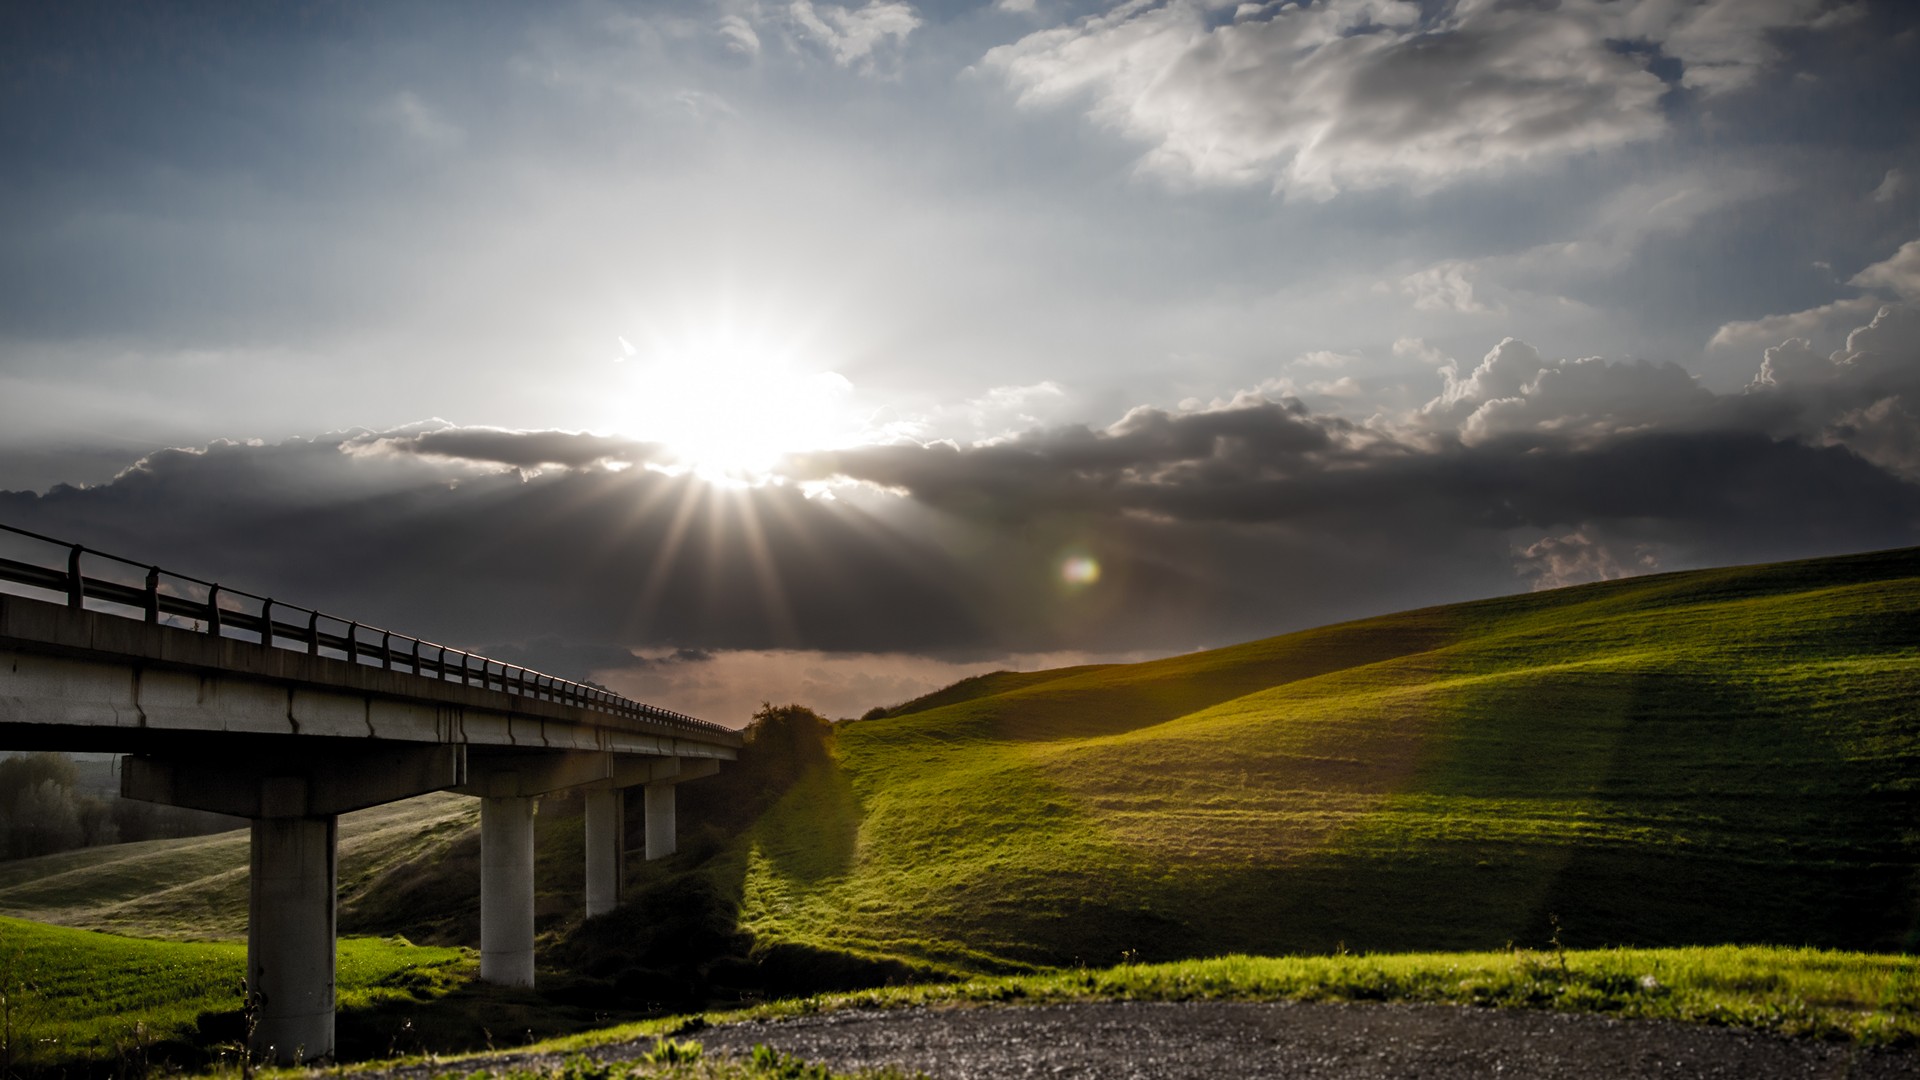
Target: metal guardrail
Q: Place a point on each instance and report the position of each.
(317, 635)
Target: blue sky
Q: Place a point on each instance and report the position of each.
(1278, 306)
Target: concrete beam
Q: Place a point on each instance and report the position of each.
(316, 778)
(632, 770)
(506, 890)
(494, 774)
(694, 769)
(290, 937)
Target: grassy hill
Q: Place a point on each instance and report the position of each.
(1726, 756)
(197, 887)
(1716, 756)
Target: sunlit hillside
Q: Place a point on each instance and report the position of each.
(197, 887)
(1716, 756)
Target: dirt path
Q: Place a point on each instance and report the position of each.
(1208, 1041)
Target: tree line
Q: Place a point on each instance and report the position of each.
(46, 808)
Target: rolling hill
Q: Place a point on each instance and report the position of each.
(1723, 756)
(1714, 757)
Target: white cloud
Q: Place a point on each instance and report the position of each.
(1898, 274)
(1811, 324)
(1412, 348)
(737, 36)
(1554, 562)
(853, 35)
(1514, 390)
(1316, 99)
(1724, 43)
(1324, 358)
(1446, 286)
(1792, 361)
(1343, 387)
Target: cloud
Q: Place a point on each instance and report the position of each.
(854, 35)
(1446, 286)
(1886, 433)
(1809, 324)
(1324, 358)
(1723, 44)
(1210, 523)
(419, 122)
(518, 449)
(1353, 94)
(1515, 391)
(737, 36)
(1892, 186)
(1898, 274)
(1554, 562)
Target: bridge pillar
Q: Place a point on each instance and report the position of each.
(507, 781)
(506, 890)
(605, 821)
(662, 833)
(294, 791)
(290, 937)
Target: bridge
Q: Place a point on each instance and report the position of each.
(227, 701)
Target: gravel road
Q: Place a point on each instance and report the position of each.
(1192, 1041)
(1241, 1041)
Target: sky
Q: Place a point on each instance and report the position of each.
(728, 352)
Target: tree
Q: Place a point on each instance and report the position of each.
(45, 820)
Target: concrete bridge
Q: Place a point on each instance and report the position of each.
(226, 701)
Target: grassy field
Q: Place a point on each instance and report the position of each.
(1727, 756)
(75, 995)
(197, 887)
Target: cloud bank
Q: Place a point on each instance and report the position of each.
(1209, 524)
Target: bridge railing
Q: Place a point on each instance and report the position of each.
(223, 611)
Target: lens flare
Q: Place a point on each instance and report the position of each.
(1079, 571)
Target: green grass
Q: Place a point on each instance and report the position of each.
(1728, 756)
(196, 888)
(77, 995)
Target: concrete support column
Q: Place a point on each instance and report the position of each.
(290, 937)
(662, 838)
(506, 891)
(604, 849)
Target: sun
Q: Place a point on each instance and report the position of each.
(727, 405)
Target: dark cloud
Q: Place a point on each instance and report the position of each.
(1207, 524)
(524, 449)
(581, 660)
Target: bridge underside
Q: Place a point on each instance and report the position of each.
(293, 742)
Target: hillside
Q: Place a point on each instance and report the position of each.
(197, 887)
(1706, 757)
